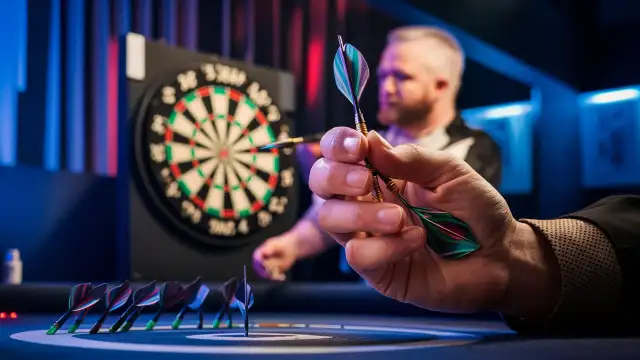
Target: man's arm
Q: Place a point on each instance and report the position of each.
(597, 250)
(311, 240)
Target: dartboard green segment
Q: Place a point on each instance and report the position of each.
(204, 138)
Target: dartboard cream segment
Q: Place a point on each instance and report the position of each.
(258, 137)
(244, 114)
(199, 111)
(178, 153)
(265, 162)
(215, 197)
(239, 201)
(183, 126)
(220, 105)
(258, 187)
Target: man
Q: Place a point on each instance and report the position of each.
(577, 274)
(419, 76)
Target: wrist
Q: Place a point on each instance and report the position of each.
(533, 289)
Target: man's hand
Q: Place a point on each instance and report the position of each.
(276, 256)
(394, 259)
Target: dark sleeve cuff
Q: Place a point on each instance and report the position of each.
(591, 278)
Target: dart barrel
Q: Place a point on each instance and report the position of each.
(376, 192)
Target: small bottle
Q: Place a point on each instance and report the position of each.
(12, 274)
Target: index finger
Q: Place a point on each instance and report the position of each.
(343, 144)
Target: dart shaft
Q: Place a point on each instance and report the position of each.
(295, 141)
(123, 318)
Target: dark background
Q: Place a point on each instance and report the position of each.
(57, 201)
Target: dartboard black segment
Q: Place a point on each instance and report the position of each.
(201, 139)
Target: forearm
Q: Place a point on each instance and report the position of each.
(311, 240)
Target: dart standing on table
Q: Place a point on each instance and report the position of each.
(147, 295)
(227, 297)
(82, 297)
(195, 295)
(418, 77)
(114, 299)
(244, 300)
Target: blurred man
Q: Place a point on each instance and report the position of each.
(419, 77)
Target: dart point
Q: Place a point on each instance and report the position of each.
(72, 329)
(150, 325)
(52, 330)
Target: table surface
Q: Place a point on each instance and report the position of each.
(303, 335)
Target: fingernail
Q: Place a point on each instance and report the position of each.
(357, 179)
(390, 216)
(352, 145)
(321, 164)
(382, 140)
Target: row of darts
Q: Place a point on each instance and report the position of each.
(234, 294)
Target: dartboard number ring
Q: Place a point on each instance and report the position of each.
(204, 129)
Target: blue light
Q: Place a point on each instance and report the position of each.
(75, 85)
(498, 111)
(610, 96)
(52, 104)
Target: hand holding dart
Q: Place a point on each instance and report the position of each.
(447, 235)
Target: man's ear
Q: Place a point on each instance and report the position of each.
(442, 85)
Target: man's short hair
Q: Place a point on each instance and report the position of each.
(453, 65)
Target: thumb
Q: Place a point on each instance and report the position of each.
(413, 163)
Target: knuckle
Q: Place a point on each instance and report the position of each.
(357, 215)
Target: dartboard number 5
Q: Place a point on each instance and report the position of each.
(205, 131)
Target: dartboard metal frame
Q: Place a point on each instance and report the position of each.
(154, 236)
(204, 125)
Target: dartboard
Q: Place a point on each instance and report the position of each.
(200, 138)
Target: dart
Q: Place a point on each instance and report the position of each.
(82, 297)
(170, 294)
(195, 293)
(114, 300)
(144, 296)
(78, 321)
(293, 141)
(227, 290)
(244, 300)
(81, 315)
(447, 235)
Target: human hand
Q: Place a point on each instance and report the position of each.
(275, 257)
(394, 258)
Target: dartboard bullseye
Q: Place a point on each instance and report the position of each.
(201, 138)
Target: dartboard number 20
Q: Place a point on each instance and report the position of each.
(204, 130)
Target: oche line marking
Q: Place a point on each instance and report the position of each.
(258, 337)
(70, 340)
